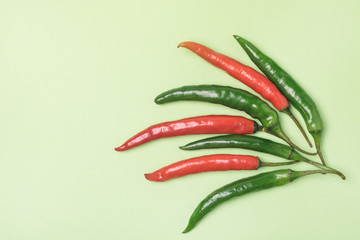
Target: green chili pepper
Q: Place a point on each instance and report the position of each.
(287, 86)
(233, 98)
(256, 144)
(243, 186)
(246, 142)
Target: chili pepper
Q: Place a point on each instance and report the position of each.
(247, 75)
(256, 144)
(246, 142)
(210, 124)
(215, 162)
(233, 98)
(243, 186)
(291, 89)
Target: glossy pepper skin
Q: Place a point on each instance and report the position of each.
(245, 74)
(244, 186)
(246, 142)
(215, 162)
(210, 124)
(227, 96)
(289, 87)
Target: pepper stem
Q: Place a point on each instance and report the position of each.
(283, 136)
(276, 131)
(273, 164)
(320, 154)
(321, 166)
(298, 174)
(317, 139)
(289, 113)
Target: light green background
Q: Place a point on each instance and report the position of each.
(77, 78)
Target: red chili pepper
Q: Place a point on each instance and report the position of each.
(216, 162)
(210, 124)
(245, 74)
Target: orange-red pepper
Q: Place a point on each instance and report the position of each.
(215, 162)
(245, 74)
(210, 124)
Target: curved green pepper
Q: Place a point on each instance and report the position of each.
(291, 89)
(243, 186)
(246, 142)
(227, 96)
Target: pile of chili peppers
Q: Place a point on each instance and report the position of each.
(278, 88)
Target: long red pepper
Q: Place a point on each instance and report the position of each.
(245, 74)
(210, 124)
(216, 162)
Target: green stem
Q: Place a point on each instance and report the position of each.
(273, 164)
(276, 131)
(296, 174)
(320, 154)
(323, 167)
(289, 113)
(317, 139)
